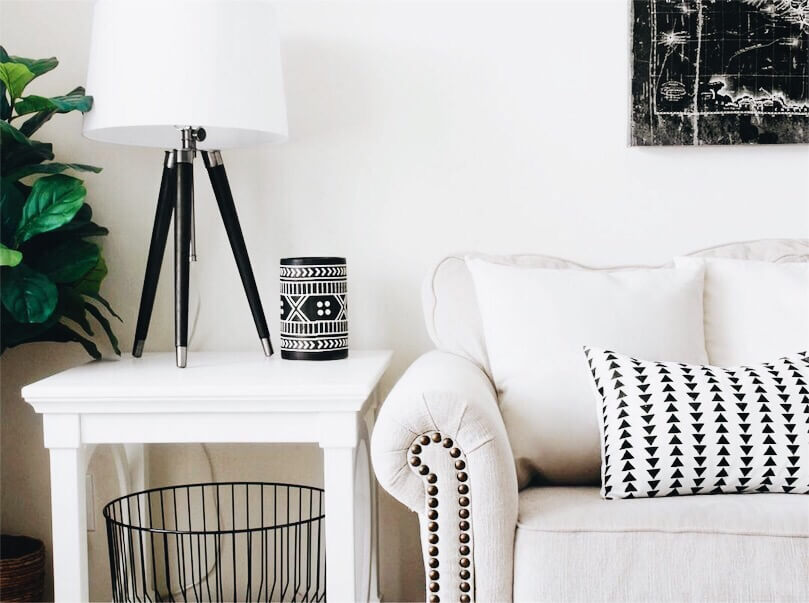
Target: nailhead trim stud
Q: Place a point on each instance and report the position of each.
(418, 466)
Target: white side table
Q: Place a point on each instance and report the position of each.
(225, 398)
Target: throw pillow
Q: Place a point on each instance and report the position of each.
(754, 311)
(669, 428)
(535, 322)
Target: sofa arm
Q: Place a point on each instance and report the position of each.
(440, 447)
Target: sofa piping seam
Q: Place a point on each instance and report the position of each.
(656, 531)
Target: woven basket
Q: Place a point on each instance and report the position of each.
(22, 568)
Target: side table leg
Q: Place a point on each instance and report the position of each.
(338, 478)
(370, 419)
(69, 525)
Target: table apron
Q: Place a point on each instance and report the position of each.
(327, 429)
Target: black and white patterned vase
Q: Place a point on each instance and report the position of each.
(314, 319)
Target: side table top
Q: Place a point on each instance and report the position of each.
(212, 382)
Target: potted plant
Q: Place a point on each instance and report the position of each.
(51, 268)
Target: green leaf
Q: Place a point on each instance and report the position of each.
(29, 296)
(90, 283)
(72, 305)
(82, 217)
(11, 202)
(15, 76)
(105, 303)
(81, 226)
(17, 72)
(91, 229)
(36, 66)
(57, 104)
(69, 261)
(5, 106)
(53, 202)
(32, 124)
(51, 168)
(62, 333)
(9, 257)
(13, 333)
(16, 150)
(105, 324)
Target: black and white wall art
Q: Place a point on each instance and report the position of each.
(720, 72)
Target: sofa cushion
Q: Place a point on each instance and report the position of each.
(572, 545)
(754, 311)
(670, 429)
(581, 509)
(535, 323)
(451, 312)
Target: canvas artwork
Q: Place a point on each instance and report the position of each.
(720, 72)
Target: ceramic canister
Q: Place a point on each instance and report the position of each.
(314, 321)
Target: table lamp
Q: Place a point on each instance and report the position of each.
(188, 76)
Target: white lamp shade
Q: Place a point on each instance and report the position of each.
(159, 65)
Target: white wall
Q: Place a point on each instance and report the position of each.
(416, 129)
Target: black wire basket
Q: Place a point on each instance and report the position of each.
(235, 541)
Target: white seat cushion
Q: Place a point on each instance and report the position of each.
(572, 545)
(581, 509)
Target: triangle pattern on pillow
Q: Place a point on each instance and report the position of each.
(673, 429)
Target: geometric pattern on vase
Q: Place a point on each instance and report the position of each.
(314, 314)
(670, 429)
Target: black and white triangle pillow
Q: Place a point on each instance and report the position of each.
(671, 429)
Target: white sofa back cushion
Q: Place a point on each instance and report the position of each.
(754, 311)
(451, 311)
(535, 322)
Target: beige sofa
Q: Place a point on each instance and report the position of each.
(441, 448)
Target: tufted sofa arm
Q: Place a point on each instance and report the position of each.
(440, 447)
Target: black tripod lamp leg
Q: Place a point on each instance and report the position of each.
(182, 250)
(224, 198)
(157, 247)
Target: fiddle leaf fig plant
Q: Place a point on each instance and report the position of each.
(51, 269)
